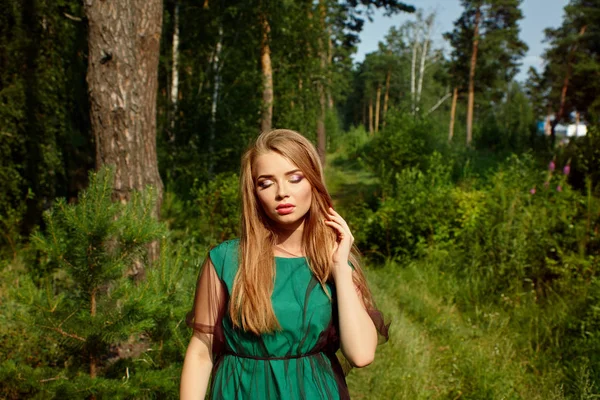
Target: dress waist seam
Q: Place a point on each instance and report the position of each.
(270, 358)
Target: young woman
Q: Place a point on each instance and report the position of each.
(272, 308)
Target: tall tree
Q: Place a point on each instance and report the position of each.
(44, 138)
(486, 48)
(472, 66)
(570, 82)
(266, 121)
(124, 40)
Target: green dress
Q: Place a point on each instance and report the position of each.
(297, 362)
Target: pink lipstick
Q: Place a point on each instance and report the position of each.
(284, 209)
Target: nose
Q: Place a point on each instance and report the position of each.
(282, 191)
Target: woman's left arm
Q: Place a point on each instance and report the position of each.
(358, 335)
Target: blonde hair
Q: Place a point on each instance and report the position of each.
(250, 302)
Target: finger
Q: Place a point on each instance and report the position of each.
(337, 217)
(338, 227)
(343, 234)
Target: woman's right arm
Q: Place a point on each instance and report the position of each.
(196, 370)
(205, 319)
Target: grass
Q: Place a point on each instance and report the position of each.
(435, 350)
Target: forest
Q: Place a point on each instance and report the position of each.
(477, 213)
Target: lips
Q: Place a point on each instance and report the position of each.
(283, 209)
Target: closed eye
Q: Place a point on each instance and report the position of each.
(264, 183)
(296, 178)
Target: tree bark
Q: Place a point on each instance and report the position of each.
(216, 67)
(265, 63)
(370, 115)
(122, 76)
(330, 102)
(174, 72)
(439, 103)
(452, 114)
(413, 71)
(386, 96)
(93, 359)
(321, 133)
(377, 107)
(424, 50)
(471, 100)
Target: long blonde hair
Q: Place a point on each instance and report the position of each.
(250, 302)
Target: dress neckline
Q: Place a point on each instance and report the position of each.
(289, 258)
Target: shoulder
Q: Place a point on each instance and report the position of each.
(224, 256)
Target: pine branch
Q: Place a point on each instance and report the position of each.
(52, 379)
(62, 332)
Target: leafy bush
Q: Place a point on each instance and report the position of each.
(210, 218)
(413, 212)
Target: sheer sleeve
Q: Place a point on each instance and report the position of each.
(208, 309)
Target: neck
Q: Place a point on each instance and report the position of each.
(291, 240)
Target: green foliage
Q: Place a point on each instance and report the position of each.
(513, 240)
(44, 143)
(81, 299)
(403, 143)
(510, 125)
(573, 54)
(210, 218)
(499, 47)
(413, 212)
(583, 155)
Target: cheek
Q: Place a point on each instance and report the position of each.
(262, 200)
(306, 195)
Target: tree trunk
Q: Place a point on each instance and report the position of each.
(452, 114)
(174, 72)
(370, 115)
(122, 76)
(321, 134)
(413, 71)
(424, 50)
(471, 100)
(563, 93)
(330, 102)
(93, 358)
(364, 114)
(377, 107)
(439, 103)
(386, 96)
(216, 67)
(265, 63)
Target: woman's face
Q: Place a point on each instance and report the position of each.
(282, 190)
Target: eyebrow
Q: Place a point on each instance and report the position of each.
(287, 173)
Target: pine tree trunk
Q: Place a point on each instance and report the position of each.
(122, 76)
(364, 114)
(377, 107)
(452, 114)
(471, 100)
(174, 72)
(386, 96)
(267, 72)
(563, 93)
(370, 115)
(93, 358)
